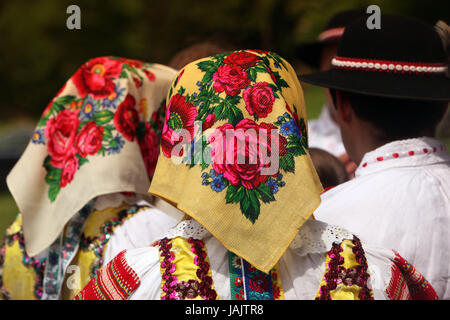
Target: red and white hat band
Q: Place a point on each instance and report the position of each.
(388, 66)
(331, 33)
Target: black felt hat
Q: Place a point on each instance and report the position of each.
(311, 52)
(405, 58)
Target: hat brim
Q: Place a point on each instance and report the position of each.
(391, 85)
(311, 53)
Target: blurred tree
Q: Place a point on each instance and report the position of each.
(39, 53)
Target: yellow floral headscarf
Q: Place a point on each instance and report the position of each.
(99, 135)
(252, 205)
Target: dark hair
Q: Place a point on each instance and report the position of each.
(395, 118)
(330, 169)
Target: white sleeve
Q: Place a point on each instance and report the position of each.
(140, 230)
(379, 266)
(145, 262)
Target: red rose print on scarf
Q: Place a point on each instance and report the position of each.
(259, 99)
(231, 79)
(95, 77)
(61, 133)
(246, 146)
(89, 140)
(137, 82)
(180, 114)
(294, 115)
(149, 146)
(243, 59)
(132, 62)
(68, 171)
(278, 140)
(157, 119)
(126, 118)
(209, 121)
(150, 75)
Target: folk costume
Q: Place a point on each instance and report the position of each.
(244, 236)
(81, 184)
(400, 196)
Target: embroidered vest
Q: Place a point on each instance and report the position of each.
(21, 276)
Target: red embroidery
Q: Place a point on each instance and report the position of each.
(407, 283)
(397, 155)
(117, 281)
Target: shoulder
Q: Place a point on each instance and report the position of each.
(384, 192)
(354, 270)
(346, 267)
(138, 273)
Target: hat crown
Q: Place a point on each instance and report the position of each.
(399, 39)
(344, 18)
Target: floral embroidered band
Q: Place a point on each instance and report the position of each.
(14, 262)
(117, 281)
(407, 283)
(248, 283)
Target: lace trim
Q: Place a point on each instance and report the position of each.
(314, 236)
(318, 237)
(187, 229)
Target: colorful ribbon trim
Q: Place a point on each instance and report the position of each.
(248, 283)
(185, 271)
(346, 276)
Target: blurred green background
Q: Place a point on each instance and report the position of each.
(38, 53)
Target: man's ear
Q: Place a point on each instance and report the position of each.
(344, 110)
